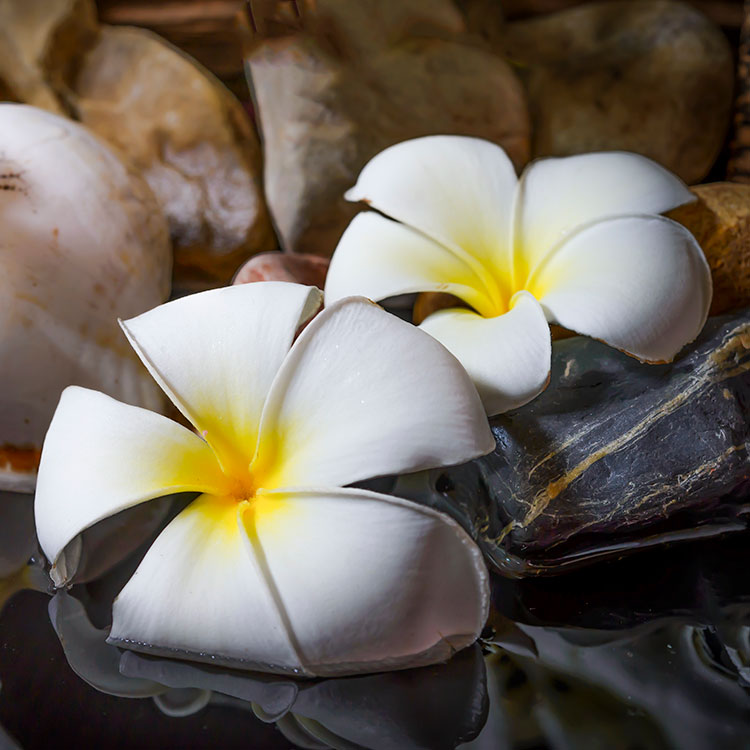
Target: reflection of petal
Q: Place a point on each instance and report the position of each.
(101, 456)
(370, 581)
(88, 653)
(638, 283)
(364, 394)
(507, 357)
(297, 734)
(182, 702)
(433, 707)
(198, 592)
(455, 189)
(557, 196)
(379, 258)
(215, 354)
(274, 694)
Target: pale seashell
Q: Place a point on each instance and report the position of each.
(82, 242)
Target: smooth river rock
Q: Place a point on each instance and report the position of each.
(192, 141)
(346, 80)
(613, 456)
(650, 76)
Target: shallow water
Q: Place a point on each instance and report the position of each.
(651, 651)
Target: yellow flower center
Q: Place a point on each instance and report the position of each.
(241, 488)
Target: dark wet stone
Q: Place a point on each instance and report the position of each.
(613, 456)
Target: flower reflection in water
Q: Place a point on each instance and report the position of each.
(650, 652)
(658, 680)
(431, 707)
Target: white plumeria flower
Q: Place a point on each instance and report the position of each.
(576, 241)
(277, 565)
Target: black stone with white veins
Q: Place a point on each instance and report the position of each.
(613, 456)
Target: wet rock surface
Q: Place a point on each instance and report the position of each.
(613, 456)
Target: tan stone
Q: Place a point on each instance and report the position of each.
(191, 140)
(41, 42)
(650, 76)
(361, 77)
(720, 221)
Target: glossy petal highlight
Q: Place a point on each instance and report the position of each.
(363, 394)
(371, 582)
(381, 258)
(508, 357)
(558, 196)
(216, 354)
(638, 283)
(101, 456)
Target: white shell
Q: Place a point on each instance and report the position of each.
(82, 242)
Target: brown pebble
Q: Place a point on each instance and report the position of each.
(720, 221)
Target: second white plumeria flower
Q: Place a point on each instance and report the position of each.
(277, 565)
(576, 241)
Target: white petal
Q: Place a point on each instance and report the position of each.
(639, 283)
(199, 593)
(363, 394)
(455, 189)
(557, 196)
(371, 582)
(507, 357)
(101, 456)
(379, 258)
(216, 353)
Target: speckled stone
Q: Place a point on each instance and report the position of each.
(613, 456)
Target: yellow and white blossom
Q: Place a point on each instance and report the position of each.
(576, 241)
(277, 565)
